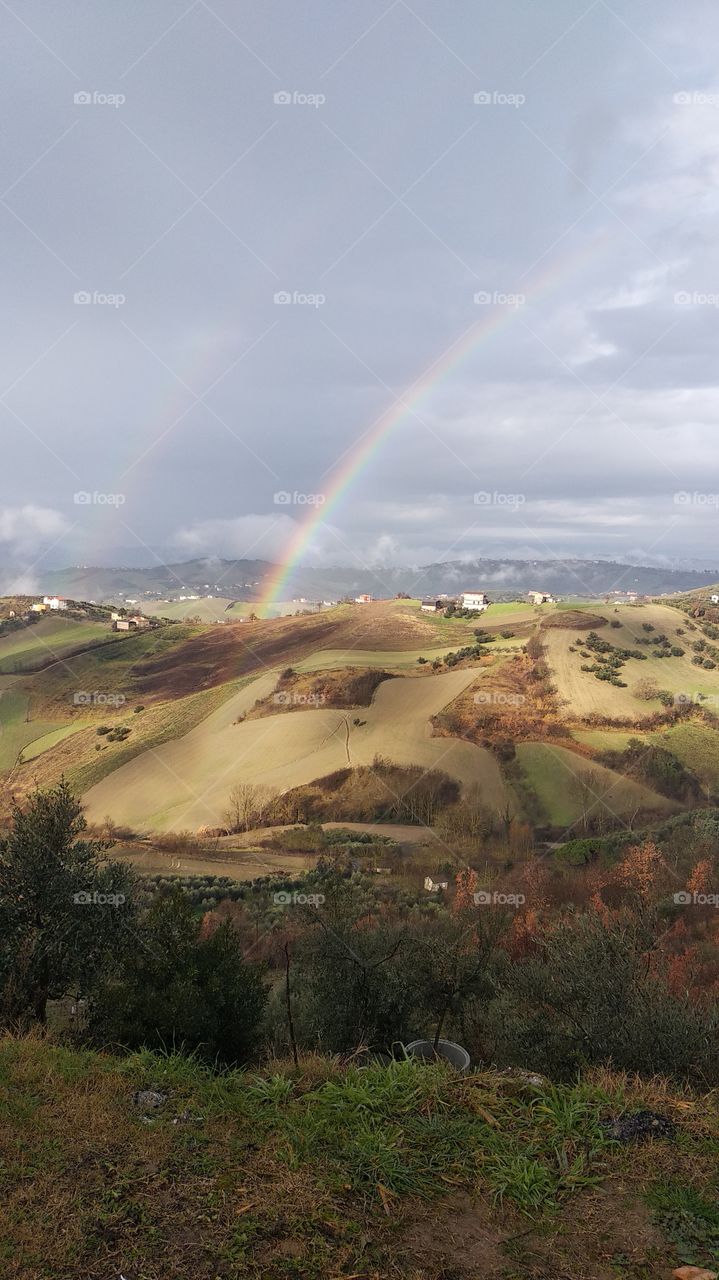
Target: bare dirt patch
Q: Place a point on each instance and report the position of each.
(574, 620)
(222, 653)
(298, 691)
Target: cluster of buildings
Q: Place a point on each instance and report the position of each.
(129, 622)
(477, 601)
(48, 602)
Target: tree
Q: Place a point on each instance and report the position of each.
(356, 978)
(182, 987)
(247, 804)
(454, 960)
(64, 914)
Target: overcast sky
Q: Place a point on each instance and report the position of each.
(561, 155)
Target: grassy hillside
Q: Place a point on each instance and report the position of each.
(567, 785)
(49, 640)
(21, 737)
(330, 1171)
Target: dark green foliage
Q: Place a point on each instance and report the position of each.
(655, 766)
(689, 1221)
(358, 985)
(590, 997)
(609, 660)
(178, 988)
(64, 914)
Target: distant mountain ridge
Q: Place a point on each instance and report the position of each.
(245, 579)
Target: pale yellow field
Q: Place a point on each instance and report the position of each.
(185, 784)
(586, 695)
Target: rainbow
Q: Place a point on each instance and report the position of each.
(351, 465)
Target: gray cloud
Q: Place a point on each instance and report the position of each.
(144, 352)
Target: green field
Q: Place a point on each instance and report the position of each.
(16, 734)
(37, 746)
(567, 784)
(48, 640)
(207, 609)
(695, 745)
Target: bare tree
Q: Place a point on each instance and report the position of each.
(247, 805)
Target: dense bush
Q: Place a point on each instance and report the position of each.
(590, 997)
(178, 988)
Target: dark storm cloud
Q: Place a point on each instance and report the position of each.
(171, 171)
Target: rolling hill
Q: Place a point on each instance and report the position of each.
(154, 728)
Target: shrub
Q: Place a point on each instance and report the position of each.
(592, 998)
(180, 988)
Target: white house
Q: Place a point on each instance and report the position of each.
(475, 600)
(431, 606)
(540, 597)
(54, 602)
(364, 599)
(715, 599)
(433, 884)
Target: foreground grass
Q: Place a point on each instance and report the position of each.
(338, 1171)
